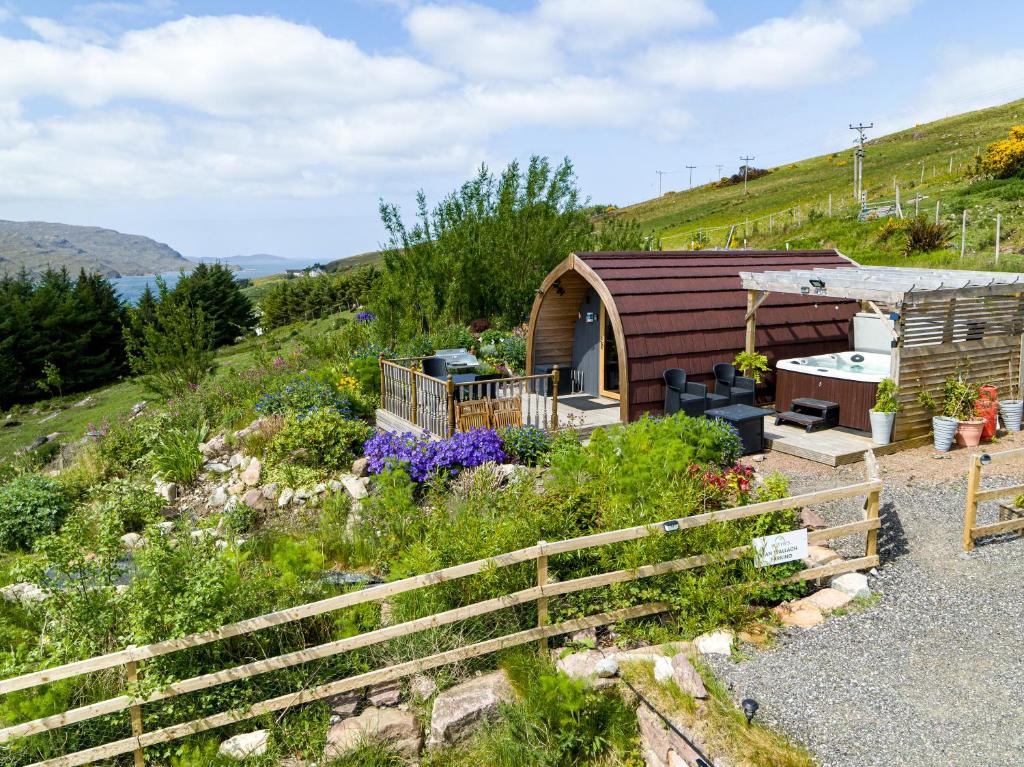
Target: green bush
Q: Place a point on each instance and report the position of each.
(527, 445)
(322, 439)
(31, 506)
(132, 505)
(176, 456)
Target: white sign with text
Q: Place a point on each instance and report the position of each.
(784, 547)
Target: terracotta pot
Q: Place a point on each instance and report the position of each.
(968, 433)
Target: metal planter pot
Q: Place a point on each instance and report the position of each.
(881, 427)
(1011, 410)
(944, 432)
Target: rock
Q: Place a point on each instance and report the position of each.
(811, 519)
(254, 499)
(167, 490)
(87, 402)
(23, 593)
(50, 417)
(820, 555)
(320, 489)
(251, 475)
(799, 616)
(360, 466)
(270, 491)
(214, 447)
(606, 668)
(285, 498)
(243, 433)
(640, 655)
(385, 694)
(854, 584)
(422, 687)
(346, 704)
(165, 528)
(586, 637)
(334, 485)
(658, 743)
(398, 728)
(132, 541)
(457, 711)
(827, 600)
(236, 460)
(354, 486)
(236, 488)
(663, 670)
(715, 642)
(137, 409)
(686, 677)
(759, 458)
(583, 665)
(302, 494)
(216, 467)
(218, 497)
(245, 745)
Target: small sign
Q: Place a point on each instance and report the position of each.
(784, 547)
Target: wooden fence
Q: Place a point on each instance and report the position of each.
(1009, 520)
(132, 657)
(429, 403)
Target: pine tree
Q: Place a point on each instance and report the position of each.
(213, 289)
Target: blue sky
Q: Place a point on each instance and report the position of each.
(227, 128)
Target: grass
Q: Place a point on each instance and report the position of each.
(676, 215)
(717, 723)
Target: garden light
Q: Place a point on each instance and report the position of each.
(750, 707)
(671, 526)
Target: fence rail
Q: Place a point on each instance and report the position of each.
(1009, 522)
(540, 594)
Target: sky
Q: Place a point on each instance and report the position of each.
(226, 128)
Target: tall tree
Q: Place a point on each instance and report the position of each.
(213, 289)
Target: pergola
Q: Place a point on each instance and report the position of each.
(943, 322)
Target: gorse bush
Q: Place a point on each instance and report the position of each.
(1005, 158)
(176, 456)
(319, 439)
(31, 506)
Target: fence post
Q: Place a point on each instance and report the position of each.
(999, 221)
(830, 205)
(971, 509)
(554, 397)
(963, 234)
(136, 711)
(412, 394)
(450, 387)
(871, 507)
(542, 602)
(380, 361)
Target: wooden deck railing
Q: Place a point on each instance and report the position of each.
(429, 403)
(544, 590)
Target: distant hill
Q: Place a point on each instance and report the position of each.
(36, 245)
(351, 262)
(934, 160)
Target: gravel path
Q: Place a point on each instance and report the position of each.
(932, 674)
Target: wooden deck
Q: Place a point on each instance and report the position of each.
(832, 447)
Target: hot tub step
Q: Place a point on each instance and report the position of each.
(812, 414)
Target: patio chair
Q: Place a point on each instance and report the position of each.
(739, 389)
(474, 414)
(506, 412)
(680, 394)
(435, 367)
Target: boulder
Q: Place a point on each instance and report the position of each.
(715, 642)
(606, 668)
(23, 593)
(583, 665)
(137, 409)
(254, 499)
(334, 485)
(245, 745)
(811, 519)
(251, 475)
(269, 491)
(799, 616)
(214, 447)
(853, 584)
(216, 467)
(165, 528)
(388, 725)
(639, 655)
(827, 600)
(132, 541)
(236, 488)
(458, 711)
(236, 460)
(345, 704)
(167, 490)
(686, 677)
(422, 687)
(355, 487)
(820, 555)
(285, 498)
(663, 670)
(320, 488)
(385, 694)
(360, 466)
(658, 742)
(218, 497)
(88, 401)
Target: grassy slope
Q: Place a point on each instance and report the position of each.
(676, 215)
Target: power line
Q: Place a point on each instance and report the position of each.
(746, 166)
(691, 167)
(858, 160)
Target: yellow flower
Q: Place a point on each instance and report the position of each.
(348, 382)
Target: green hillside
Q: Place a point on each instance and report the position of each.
(790, 205)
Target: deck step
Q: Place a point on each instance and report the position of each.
(809, 422)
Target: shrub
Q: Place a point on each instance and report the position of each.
(319, 439)
(302, 396)
(1004, 158)
(924, 235)
(176, 456)
(423, 458)
(131, 505)
(527, 445)
(885, 397)
(31, 506)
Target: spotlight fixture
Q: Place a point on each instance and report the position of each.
(817, 282)
(750, 707)
(985, 458)
(557, 285)
(672, 526)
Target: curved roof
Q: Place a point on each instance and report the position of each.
(688, 309)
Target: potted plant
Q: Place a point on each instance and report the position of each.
(960, 397)
(943, 427)
(751, 364)
(884, 412)
(1010, 409)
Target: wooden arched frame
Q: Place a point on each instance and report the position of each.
(574, 264)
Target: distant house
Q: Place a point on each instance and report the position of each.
(316, 270)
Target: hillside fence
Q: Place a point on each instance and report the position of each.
(132, 658)
(1010, 517)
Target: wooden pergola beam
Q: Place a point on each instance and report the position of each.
(754, 300)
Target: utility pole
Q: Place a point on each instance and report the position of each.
(746, 166)
(690, 168)
(660, 174)
(719, 166)
(858, 163)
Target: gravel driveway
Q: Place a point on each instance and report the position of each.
(933, 673)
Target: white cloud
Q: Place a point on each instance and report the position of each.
(863, 13)
(778, 53)
(600, 24)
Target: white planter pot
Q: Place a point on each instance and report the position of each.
(944, 432)
(1010, 411)
(881, 427)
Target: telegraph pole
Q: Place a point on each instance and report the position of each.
(746, 166)
(719, 166)
(690, 168)
(858, 160)
(660, 174)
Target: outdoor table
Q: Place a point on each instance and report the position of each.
(747, 420)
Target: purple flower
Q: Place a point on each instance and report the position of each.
(422, 457)
(366, 317)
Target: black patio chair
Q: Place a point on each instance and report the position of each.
(680, 394)
(739, 389)
(435, 367)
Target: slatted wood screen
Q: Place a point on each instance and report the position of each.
(928, 322)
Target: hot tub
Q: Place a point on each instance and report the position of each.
(849, 378)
